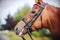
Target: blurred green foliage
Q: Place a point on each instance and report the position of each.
(21, 13)
(42, 33)
(12, 36)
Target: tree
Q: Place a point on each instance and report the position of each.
(20, 14)
(10, 23)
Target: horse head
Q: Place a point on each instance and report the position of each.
(41, 15)
(32, 19)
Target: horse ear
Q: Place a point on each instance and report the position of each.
(39, 1)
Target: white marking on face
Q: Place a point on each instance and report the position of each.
(22, 32)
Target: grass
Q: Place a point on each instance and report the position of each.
(36, 38)
(12, 36)
(37, 34)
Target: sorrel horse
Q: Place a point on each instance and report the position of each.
(49, 18)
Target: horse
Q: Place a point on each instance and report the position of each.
(48, 18)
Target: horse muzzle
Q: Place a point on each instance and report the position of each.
(20, 32)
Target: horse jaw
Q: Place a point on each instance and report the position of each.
(20, 29)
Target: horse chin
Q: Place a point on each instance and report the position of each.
(23, 32)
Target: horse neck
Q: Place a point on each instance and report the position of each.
(55, 3)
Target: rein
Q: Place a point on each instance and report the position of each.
(28, 24)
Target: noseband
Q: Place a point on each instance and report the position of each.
(28, 24)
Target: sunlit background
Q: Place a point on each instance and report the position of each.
(11, 6)
(11, 12)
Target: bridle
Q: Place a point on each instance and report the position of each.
(28, 24)
(33, 19)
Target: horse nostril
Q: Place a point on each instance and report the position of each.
(17, 33)
(33, 12)
(16, 29)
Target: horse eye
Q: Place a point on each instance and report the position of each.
(33, 12)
